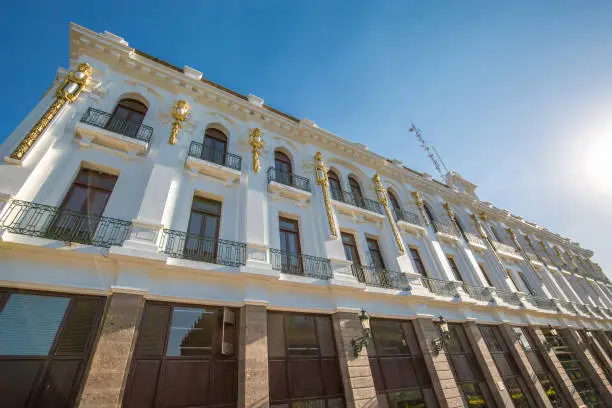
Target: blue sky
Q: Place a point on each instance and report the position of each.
(516, 96)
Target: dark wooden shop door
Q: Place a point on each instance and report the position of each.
(45, 342)
(184, 357)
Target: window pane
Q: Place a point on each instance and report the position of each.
(276, 335)
(191, 332)
(388, 337)
(76, 199)
(406, 399)
(326, 336)
(29, 323)
(309, 404)
(207, 206)
(473, 396)
(301, 335)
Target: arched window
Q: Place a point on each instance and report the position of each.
(215, 146)
(429, 213)
(127, 117)
(460, 227)
(395, 205)
(282, 165)
(334, 185)
(496, 233)
(356, 192)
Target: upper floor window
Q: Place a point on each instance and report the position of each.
(377, 258)
(203, 229)
(282, 165)
(89, 192)
(496, 234)
(397, 209)
(129, 110)
(429, 212)
(215, 146)
(418, 262)
(526, 282)
(334, 185)
(356, 191)
(350, 248)
(454, 268)
(460, 228)
(485, 275)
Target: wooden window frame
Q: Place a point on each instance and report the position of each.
(452, 263)
(374, 241)
(420, 262)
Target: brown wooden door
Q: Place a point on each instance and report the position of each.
(215, 146)
(45, 342)
(291, 259)
(184, 357)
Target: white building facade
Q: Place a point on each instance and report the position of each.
(167, 242)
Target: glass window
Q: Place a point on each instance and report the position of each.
(394, 203)
(356, 192)
(191, 332)
(377, 258)
(215, 146)
(308, 374)
(485, 275)
(454, 268)
(334, 185)
(429, 212)
(418, 262)
(29, 324)
(389, 337)
(350, 249)
(131, 110)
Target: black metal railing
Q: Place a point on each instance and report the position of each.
(288, 179)
(581, 309)
(440, 287)
(569, 306)
(356, 200)
(301, 265)
(502, 246)
(217, 156)
(381, 278)
(408, 216)
(104, 120)
(444, 228)
(540, 302)
(477, 292)
(512, 298)
(180, 244)
(44, 221)
(473, 238)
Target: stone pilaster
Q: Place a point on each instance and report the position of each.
(253, 379)
(570, 394)
(524, 366)
(487, 364)
(593, 369)
(356, 373)
(599, 347)
(105, 380)
(442, 378)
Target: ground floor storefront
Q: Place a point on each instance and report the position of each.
(60, 349)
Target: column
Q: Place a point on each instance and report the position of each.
(487, 364)
(570, 394)
(442, 378)
(253, 386)
(356, 373)
(590, 364)
(107, 375)
(524, 366)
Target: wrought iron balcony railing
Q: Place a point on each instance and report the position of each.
(512, 298)
(356, 200)
(408, 216)
(473, 238)
(444, 228)
(581, 308)
(301, 265)
(540, 302)
(381, 278)
(217, 156)
(44, 221)
(569, 306)
(288, 179)
(104, 120)
(501, 246)
(440, 287)
(183, 245)
(477, 292)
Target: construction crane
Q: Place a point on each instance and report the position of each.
(431, 151)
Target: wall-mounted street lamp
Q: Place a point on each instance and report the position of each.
(440, 342)
(366, 334)
(556, 339)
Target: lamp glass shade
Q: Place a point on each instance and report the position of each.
(70, 88)
(443, 326)
(79, 75)
(365, 320)
(320, 174)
